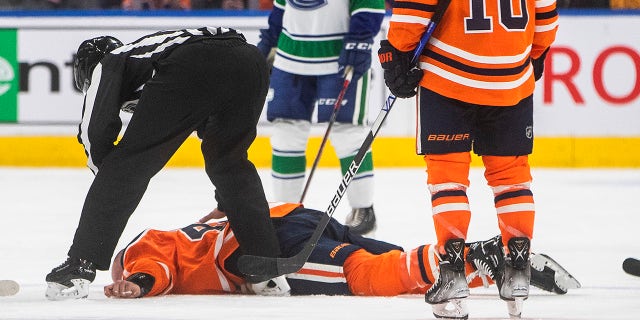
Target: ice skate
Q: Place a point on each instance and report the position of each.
(447, 294)
(514, 278)
(362, 221)
(487, 257)
(548, 275)
(277, 286)
(70, 280)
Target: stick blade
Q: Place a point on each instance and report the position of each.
(631, 266)
(259, 268)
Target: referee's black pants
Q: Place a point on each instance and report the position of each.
(217, 87)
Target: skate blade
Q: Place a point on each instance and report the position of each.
(515, 307)
(8, 288)
(56, 291)
(562, 277)
(452, 309)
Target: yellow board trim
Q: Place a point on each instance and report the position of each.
(562, 152)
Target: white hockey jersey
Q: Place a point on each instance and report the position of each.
(313, 31)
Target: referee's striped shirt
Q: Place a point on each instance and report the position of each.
(117, 82)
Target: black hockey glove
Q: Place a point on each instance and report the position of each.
(356, 53)
(538, 65)
(401, 76)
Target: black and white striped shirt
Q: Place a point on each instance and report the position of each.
(118, 80)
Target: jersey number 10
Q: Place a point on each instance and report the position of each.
(479, 22)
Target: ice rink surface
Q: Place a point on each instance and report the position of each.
(587, 220)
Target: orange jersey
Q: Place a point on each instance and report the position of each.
(480, 51)
(190, 260)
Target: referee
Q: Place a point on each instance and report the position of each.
(208, 80)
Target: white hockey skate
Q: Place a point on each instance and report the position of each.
(549, 275)
(273, 287)
(513, 280)
(446, 296)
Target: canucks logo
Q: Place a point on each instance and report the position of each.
(307, 4)
(6, 76)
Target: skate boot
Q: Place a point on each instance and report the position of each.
(513, 280)
(361, 220)
(277, 286)
(487, 257)
(549, 275)
(446, 295)
(70, 280)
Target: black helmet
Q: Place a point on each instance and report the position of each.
(89, 55)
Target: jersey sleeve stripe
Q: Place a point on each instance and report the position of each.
(479, 58)
(409, 19)
(547, 27)
(545, 3)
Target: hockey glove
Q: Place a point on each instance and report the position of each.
(400, 75)
(538, 65)
(267, 42)
(355, 53)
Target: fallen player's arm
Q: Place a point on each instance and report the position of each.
(135, 286)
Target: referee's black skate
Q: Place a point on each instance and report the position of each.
(70, 280)
(514, 278)
(361, 220)
(446, 296)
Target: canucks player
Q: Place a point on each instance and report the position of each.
(313, 42)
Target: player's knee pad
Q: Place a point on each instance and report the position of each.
(448, 168)
(506, 170)
(347, 138)
(290, 135)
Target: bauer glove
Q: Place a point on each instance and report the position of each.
(355, 53)
(400, 75)
(538, 65)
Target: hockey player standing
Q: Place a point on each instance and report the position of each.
(176, 82)
(476, 76)
(316, 41)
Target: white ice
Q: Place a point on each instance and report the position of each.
(588, 220)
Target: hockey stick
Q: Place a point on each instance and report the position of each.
(334, 114)
(268, 266)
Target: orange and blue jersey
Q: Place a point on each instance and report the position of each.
(194, 259)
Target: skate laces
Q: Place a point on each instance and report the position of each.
(486, 257)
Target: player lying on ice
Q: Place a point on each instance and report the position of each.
(201, 259)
